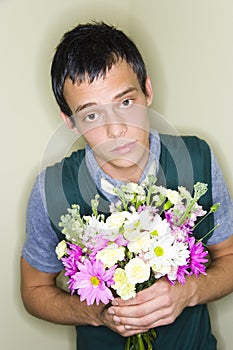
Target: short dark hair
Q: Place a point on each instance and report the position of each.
(89, 50)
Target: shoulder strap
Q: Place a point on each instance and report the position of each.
(183, 162)
(69, 182)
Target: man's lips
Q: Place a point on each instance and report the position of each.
(122, 149)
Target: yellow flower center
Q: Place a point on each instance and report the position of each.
(154, 233)
(95, 281)
(159, 251)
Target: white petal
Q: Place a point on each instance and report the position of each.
(107, 186)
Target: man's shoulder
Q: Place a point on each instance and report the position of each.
(75, 158)
(185, 138)
(192, 144)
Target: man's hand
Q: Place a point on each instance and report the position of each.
(162, 303)
(155, 306)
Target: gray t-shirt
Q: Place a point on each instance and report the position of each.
(41, 239)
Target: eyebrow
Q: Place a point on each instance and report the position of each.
(85, 105)
(125, 92)
(120, 95)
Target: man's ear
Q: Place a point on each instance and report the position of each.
(149, 92)
(69, 122)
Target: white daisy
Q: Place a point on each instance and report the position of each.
(162, 252)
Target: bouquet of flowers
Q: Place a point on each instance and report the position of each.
(148, 235)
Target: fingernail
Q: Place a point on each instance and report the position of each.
(127, 327)
(116, 319)
(111, 311)
(114, 303)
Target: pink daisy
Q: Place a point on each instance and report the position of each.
(92, 282)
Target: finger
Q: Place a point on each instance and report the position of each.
(157, 290)
(134, 311)
(125, 331)
(135, 323)
(145, 321)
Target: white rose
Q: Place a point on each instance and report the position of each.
(126, 291)
(110, 255)
(137, 271)
(117, 219)
(119, 278)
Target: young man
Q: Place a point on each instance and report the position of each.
(100, 83)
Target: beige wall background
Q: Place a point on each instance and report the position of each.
(187, 45)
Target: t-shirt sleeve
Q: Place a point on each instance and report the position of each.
(41, 240)
(224, 215)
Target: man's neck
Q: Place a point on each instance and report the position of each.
(129, 173)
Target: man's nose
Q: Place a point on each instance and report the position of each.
(116, 129)
(116, 125)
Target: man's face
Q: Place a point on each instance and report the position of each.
(111, 114)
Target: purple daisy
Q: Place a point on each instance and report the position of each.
(70, 265)
(92, 282)
(197, 257)
(74, 251)
(70, 262)
(181, 272)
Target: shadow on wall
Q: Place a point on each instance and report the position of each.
(221, 318)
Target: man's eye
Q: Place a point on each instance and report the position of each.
(127, 103)
(90, 117)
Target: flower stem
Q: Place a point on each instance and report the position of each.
(208, 233)
(213, 209)
(127, 345)
(186, 212)
(140, 342)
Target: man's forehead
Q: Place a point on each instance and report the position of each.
(89, 78)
